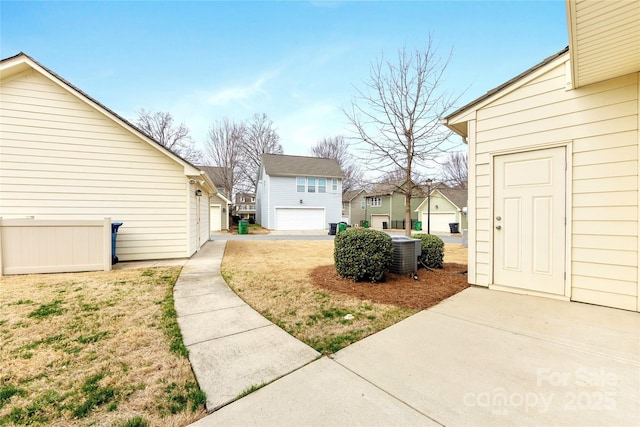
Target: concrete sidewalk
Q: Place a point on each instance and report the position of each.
(231, 347)
(479, 358)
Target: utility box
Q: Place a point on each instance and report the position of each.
(405, 254)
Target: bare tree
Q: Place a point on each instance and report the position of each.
(225, 141)
(260, 138)
(397, 115)
(337, 148)
(175, 137)
(455, 170)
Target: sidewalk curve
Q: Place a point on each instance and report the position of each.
(231, 347)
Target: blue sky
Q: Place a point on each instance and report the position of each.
(296, 61)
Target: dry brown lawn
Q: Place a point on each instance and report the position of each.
(93, 349)
(277, 279)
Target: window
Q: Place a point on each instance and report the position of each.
(311, 185)
(345, 206)
(300, 184)
(363, 205)
(322, 185)
(375, 201)
(253, 199)
(334, 185)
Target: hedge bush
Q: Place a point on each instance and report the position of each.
(362, 254)
(432, 250)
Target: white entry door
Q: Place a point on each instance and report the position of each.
(529, 220)
(215, 218)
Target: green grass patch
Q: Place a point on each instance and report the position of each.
(251, 389)
(135, 422)
(169, 324)
(92, 338)
(94, 395)
(45, 310)
(7, 392)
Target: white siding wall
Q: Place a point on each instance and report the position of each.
(262, 199)
(61, 159)
(224, 211)
(198, 218)
(283, 193)
(600, 125)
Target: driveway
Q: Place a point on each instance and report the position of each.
(481, 357)
(313, 235)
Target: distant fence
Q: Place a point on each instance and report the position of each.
(54, 246)
(400, 224)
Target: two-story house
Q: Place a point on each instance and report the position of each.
(354, 207)
(298, 193)
(385, 205)
(245, 206)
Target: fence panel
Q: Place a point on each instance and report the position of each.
(54, 246)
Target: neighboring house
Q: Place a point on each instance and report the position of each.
(553, 161)
(354, 207)
(386, 205)
(217, 175)
(447, 207)
(219, 204)
(298, 193)
(65, 156)
(245, 206)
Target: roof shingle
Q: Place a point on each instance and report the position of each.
(283, 165)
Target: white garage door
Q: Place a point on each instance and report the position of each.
(300, 219)
(439, 222)
(377, 220)
(215, 218)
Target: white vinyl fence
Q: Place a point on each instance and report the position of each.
(54, 246)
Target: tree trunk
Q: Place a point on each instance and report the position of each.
(407, 215)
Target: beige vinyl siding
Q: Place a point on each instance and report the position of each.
(599, 124)
(205, 221)
(63, 159)
(604, 38)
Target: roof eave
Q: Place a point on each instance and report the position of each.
(457, 120)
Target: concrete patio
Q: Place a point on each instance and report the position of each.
(481, 357)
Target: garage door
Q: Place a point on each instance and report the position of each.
(300, 219)
(377, 220)
(215, 218)
(439, 222)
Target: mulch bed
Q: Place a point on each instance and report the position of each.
(431, 287)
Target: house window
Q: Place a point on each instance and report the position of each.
(322, 185)
(334, 185)
(344, 206)
(363, 205)
(376, 201)
(300, 184)
(311, 185)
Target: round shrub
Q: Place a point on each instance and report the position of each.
(432, 250)
(362, 254)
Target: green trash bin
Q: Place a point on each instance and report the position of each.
(365, 224)
(243, 227)
(342, 227)
(418, 225)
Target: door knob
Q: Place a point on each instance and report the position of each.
(498, 227)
